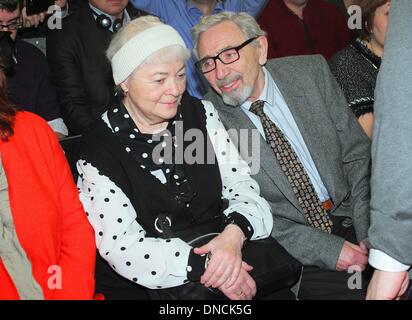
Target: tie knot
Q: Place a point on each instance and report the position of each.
(257, 107)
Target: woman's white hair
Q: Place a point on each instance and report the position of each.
(246, 23)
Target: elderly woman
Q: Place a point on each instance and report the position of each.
(356, 67)
(47, 250)
(148, 192)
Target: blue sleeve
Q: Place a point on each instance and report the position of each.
(253, 7)
(162, 9)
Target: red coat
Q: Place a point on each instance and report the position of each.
(287, 36)
(50, 222)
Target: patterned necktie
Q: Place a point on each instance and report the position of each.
(303, 189)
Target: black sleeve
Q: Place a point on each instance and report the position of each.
(196, 266)
(46, 98)
(243, 223)
(66, 78)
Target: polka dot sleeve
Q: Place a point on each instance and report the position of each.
(151, 262)
(239, 188)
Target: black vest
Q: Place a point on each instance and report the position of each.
(150, 198)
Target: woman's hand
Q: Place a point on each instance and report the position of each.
(226, 257)
(244, 287)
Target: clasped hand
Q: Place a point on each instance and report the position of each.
(226, 271)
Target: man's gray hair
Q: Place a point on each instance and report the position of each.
(246, 23)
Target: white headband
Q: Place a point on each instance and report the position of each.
(141, 46)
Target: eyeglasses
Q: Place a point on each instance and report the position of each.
(14, 25)
(227, 56)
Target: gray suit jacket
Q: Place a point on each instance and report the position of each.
(337, 144)
(391, 203)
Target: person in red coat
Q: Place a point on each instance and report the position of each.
(47, 247)
(300, 27)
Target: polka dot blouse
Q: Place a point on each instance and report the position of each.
(154, 262)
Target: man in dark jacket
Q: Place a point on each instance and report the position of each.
(28, 86)
(79, 68)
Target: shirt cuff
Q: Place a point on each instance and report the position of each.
(58, 126)
(195, 266)
(381, 261)
(243, 223)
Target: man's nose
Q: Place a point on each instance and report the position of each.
(222, 70)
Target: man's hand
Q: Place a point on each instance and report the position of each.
(351, 255)
(34, 20)
(61, 3)
(363, 246)
(244, 287)
(226, 257)
(387, 285)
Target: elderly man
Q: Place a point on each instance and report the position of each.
(183, 15)
(315, 160)
(78, 66)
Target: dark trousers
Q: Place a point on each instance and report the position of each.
(320, 284)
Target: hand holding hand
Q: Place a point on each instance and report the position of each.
(351, 255)
(226, 257)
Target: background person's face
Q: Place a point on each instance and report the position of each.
(380, 24)
(241, 80)
(8, 18)
(111, 7)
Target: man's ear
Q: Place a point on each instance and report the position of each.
(263, 49)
